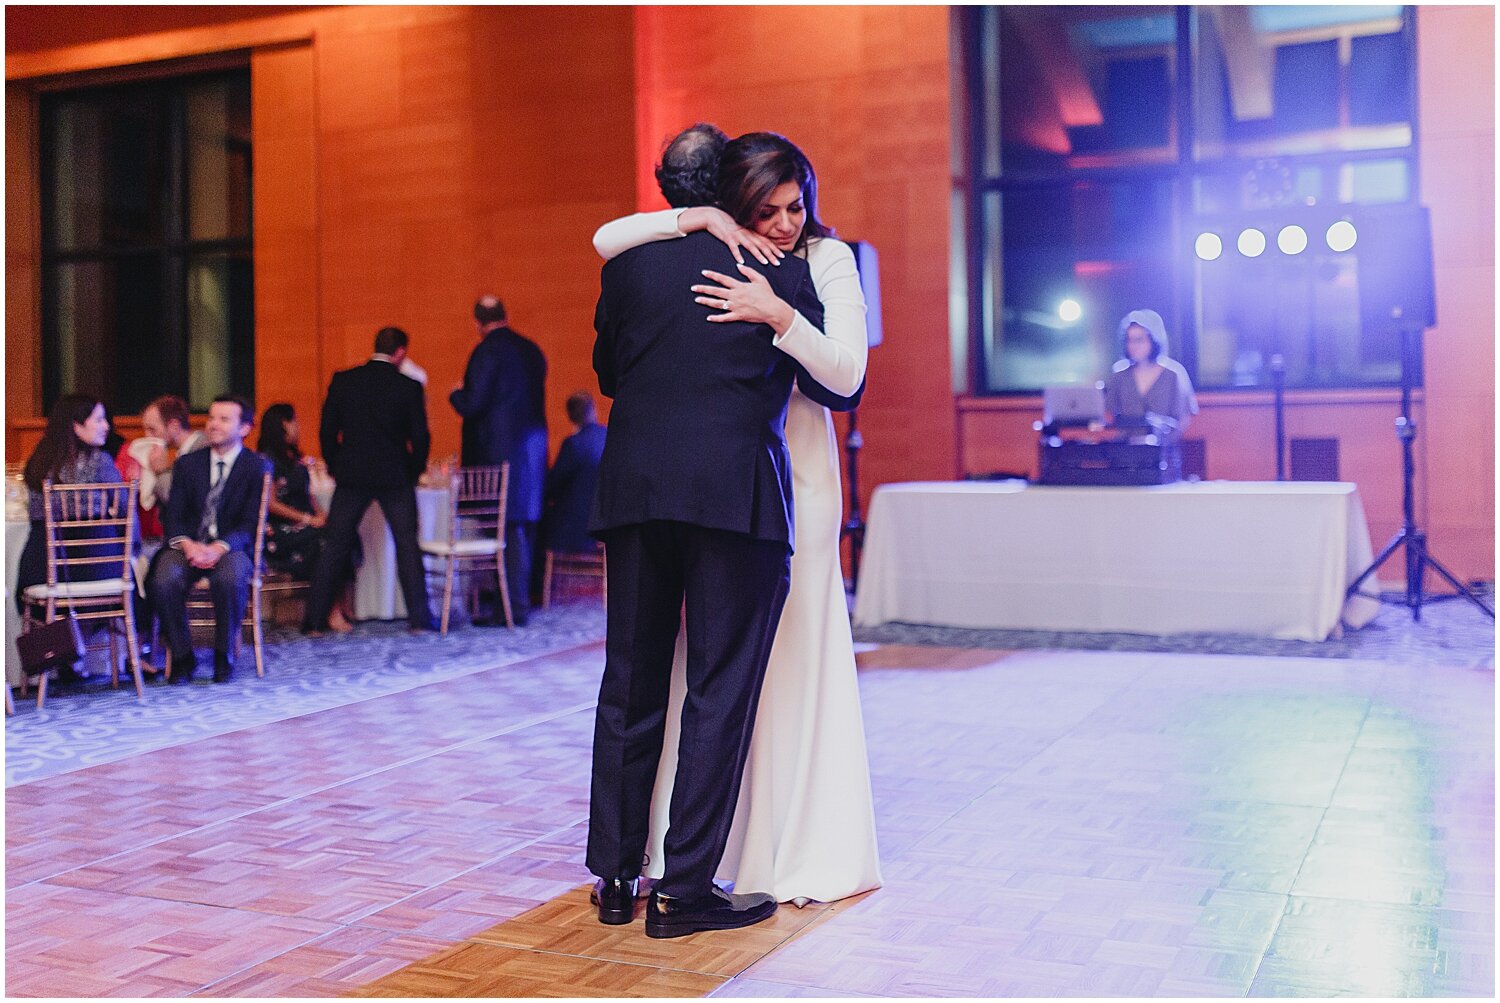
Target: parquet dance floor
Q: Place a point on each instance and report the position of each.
(1051, 823)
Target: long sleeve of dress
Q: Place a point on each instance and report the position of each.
(836, 360)
(620, 235)
(835, 356)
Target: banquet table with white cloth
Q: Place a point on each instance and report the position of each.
(377, 589)
(1270, 559)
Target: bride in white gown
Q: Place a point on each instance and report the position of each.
(804, 827)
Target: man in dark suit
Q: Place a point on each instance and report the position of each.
(375, 441)
(210, 524)
(694, 504)
(571, 481)
(502, 405)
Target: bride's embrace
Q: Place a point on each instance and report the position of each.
(804, 826)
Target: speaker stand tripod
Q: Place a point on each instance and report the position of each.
(1418, 557)
(854, 526)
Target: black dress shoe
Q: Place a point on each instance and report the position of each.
(183, 667)
(223, 668)
(615, 899)
(673, 917)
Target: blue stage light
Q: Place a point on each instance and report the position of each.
(1208, 246)
(1252, 242)
(1341, 236)
(1292, 239)
(1069, 311)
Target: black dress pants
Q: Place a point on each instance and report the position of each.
(173, 577)
(342, 532)
(732, 588)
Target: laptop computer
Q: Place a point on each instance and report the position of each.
(1075, 404)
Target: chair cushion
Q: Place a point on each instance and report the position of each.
(461, 548)
(77, 590)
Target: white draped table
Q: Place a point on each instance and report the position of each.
(1267, 559)
(377, 589)
(16, 531)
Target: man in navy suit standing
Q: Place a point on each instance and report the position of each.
(504, 421)
(210, 524)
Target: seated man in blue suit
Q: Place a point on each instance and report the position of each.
(210, 524)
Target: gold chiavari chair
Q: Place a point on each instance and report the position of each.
(90, 531)
(477, 498)
(589, 564)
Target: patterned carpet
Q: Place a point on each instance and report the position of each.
(95, 724)
(1451, 632)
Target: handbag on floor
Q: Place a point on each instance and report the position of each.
(48, 646)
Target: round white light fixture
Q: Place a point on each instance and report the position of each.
(1208, 246)
(1252, 242)
(1069, 311)
(1292, 239)
(1341, 236)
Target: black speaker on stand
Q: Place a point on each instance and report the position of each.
(1396, 298)
(867, 261)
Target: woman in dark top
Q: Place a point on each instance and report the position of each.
(70, 453)
(294, 525)
(1146, 381)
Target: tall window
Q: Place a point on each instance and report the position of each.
(147, 279)
(1105, 139)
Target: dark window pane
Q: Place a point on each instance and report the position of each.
(1272, 80)
(218, 150)
(105, 171)
(106, 329)
(1106, 247)
(221, 314)
(1086, 86)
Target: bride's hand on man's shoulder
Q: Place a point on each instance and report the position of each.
(722, 225)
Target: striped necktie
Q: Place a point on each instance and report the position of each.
(210, 521)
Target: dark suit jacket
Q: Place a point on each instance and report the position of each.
(239, 507)
(570, 490)
(501, 402)
(697, 431)
(374, 431)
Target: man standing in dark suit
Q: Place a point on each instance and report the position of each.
(375, 441)
(504, 421)
(694, 505)
(571, 481)
(210, 524)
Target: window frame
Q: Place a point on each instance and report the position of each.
(175, 250)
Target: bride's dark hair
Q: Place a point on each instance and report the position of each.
(755, 165)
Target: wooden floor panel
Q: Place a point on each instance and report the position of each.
(1050, 823)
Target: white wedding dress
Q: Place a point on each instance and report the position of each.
(804, 826)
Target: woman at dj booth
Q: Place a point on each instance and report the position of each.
(1146, 381)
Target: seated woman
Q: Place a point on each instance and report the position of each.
(71, 452)
(294, 536)
(1146, 383)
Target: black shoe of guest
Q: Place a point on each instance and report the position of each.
(223, 668)
(674, 917)
(615, 899)
(183, 667)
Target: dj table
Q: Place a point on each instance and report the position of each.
(1267, 559)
